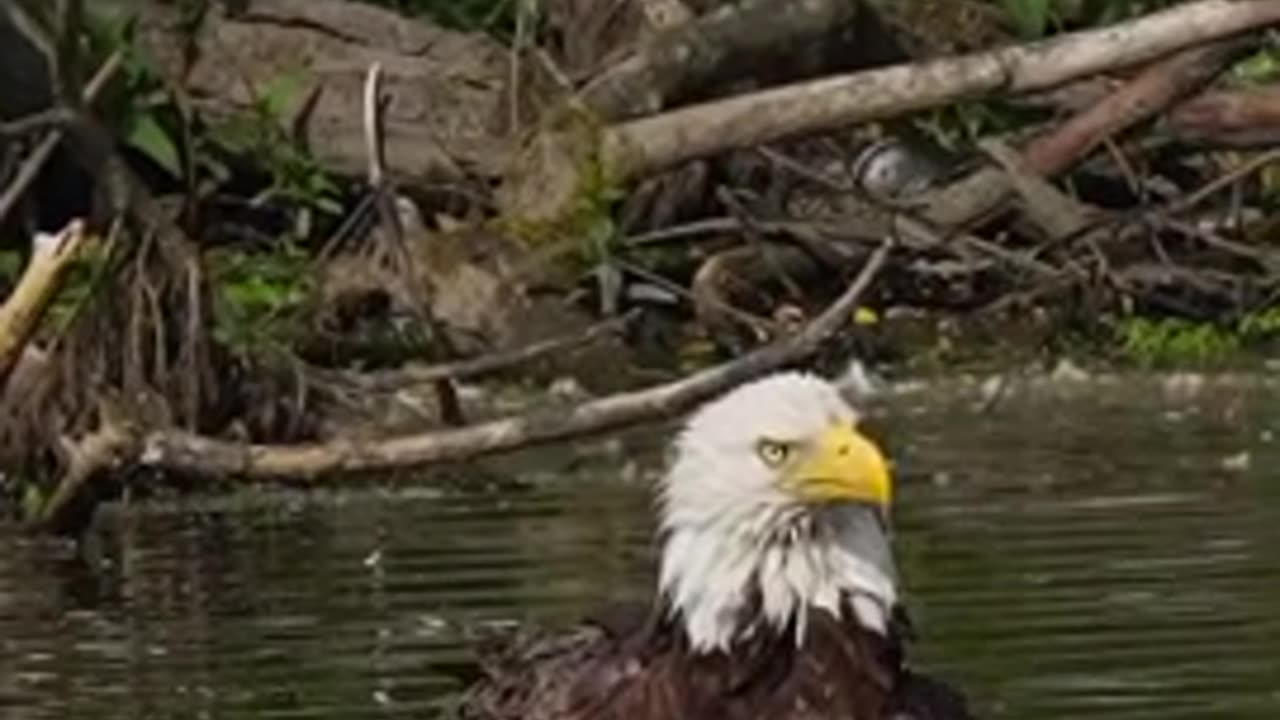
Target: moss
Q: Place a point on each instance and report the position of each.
(1165, 342)
(576, 187)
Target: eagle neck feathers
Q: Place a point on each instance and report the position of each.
(726, 581)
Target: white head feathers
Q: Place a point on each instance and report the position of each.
(735, 534)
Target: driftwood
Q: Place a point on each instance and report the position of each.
(1230, 117)
(646, 145)
(741, 270)
(1141, 98)
(550, 179)
(181, 452)
(740, 38)
(51, 257)
(1156, 88)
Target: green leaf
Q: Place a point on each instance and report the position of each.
(1261, 67)
(147, 135)
(279, 92)
(1031, 16)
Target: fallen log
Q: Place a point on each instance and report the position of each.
(640, 147)
(740, 38)
(117, 442)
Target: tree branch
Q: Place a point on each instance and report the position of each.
(1146, 95)
(188, 453)
(549, 177)
(643, 146)
(51, 256)
(691, 56)
(38, 157)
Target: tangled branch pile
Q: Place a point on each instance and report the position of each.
(331, 208)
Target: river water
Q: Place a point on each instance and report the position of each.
(1105, 550)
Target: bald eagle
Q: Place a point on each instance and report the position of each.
(777, 593)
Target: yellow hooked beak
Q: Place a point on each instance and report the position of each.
(842, 465)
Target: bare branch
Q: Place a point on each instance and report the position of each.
(374, 145)
(691, 55)
(189, 453)
(548, 180)
(34, 162)
(21, 313)
(476, 367)
(652, 143)
(1141, 98)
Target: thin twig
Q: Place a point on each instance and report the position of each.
(35, 162)
(51, 118)
(373, 145)
(708, 226)
(1195, 198)
(1263, 257)
(386, 202)
(752, 231)
(476, 367)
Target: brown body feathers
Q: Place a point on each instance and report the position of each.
(634, 666)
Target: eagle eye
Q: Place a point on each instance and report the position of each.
(773, 452)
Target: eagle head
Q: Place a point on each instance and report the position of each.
(775, 506)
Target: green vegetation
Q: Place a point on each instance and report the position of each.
(257, 290)
(1036, 18)
(258, 295)
(1165, 342)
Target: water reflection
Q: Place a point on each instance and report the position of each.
(1103, 554)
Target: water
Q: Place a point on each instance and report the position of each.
(1106, 552)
